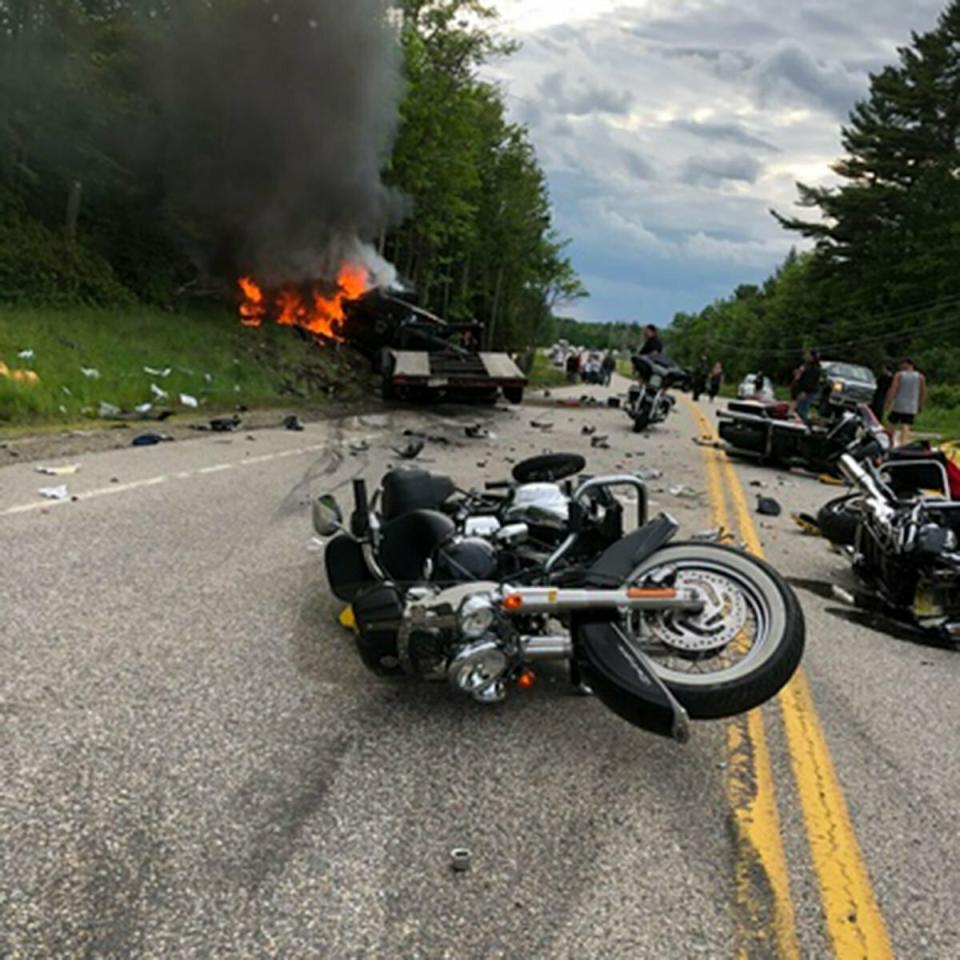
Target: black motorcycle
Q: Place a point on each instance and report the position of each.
(448, 584)
(904, 540)
(769, 433)
(649, 401)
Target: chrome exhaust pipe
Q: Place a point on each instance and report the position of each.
(546, 648)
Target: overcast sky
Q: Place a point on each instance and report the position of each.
(669, 128)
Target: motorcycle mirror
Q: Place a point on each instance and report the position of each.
(327, 516)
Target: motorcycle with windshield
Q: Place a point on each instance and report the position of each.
(480, 588)
(648, 401)
(901, 532)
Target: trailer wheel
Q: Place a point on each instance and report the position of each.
(513, 394)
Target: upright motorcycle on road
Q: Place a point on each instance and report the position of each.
(478, 589)
(649, 400)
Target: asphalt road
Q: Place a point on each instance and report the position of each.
(194, 763)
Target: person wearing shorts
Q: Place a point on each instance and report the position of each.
(905, 399)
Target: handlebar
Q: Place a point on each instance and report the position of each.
(360, 522)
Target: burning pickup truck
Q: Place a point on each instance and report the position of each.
(419, 356)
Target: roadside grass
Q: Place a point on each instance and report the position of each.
(544, 374)
(211, 357)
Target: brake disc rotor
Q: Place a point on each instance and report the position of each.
(722, 619)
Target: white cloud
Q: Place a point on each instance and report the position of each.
(669, 128)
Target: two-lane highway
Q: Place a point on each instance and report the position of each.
(194, 762)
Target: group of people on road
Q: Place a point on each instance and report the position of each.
(590, 367)
(707, 379)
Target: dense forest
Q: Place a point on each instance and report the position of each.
(100, 204)
(881, 280)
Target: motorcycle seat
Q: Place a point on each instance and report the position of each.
(413, 489)
(409, 541)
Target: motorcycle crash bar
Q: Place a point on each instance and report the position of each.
(550, 600)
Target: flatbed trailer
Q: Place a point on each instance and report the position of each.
(417, 357)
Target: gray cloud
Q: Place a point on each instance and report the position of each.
(713, 170)
(728, 132)
(585, 99)
(637, 166)
(791, 72)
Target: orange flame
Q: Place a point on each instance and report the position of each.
(313, 308)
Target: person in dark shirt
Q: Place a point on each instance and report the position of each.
(651, 341)
(883, 388)
(808, 385)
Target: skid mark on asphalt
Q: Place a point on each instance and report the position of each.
(764, 916)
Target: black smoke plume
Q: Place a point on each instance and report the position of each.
(278, 116)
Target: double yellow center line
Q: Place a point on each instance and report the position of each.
(766, 922)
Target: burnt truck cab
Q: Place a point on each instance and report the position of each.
(420, 356)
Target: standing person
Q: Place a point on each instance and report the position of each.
(883, 388)
(715, 381)
(609, 365)
(700, 374)
(808, 385)
(905, 399)
(573, 367)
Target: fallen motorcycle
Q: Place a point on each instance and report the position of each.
(661, 632)
(649, 401)
(906, 545)
(769, 433)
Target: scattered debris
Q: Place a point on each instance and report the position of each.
(162, 374)
(359, 446)
(648, 473)
(831, 481)
(482, 464)
(208, 378)
(67, 390)
(65, 471)
(844, 596)
(54, 493)
(683, 491)
(189, 401)
(411, 451)
(544, 425)
(91, 373)
(293, 422)
(144, 408)
(150, 439)
(547, 394)
(708, 442)
(107, 411)
(600, 442)
(158, 393)
(476, 431)
(757, 483)
(807, 524)
(613, 402)
(588, 430)
(460, 859)
(768, 507)
(25, 354)
(225, 424)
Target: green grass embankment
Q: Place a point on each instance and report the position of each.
(209, 354)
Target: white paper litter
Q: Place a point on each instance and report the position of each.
(92, 372)
(162, 374)
(25, 354)
(65, 471)
(144, 408)
(157, 392)
(54, 493)
(108, 409)
(187, 400)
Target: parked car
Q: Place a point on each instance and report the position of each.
(748, 388)
(846, 384)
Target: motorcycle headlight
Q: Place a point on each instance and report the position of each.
(655, 381)
(837, 386)
(475, 616)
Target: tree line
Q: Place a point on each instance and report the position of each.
(86, 215)
(881, 280)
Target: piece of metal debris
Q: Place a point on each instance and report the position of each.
(460, 859)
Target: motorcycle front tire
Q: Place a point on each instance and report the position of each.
(742, 689)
